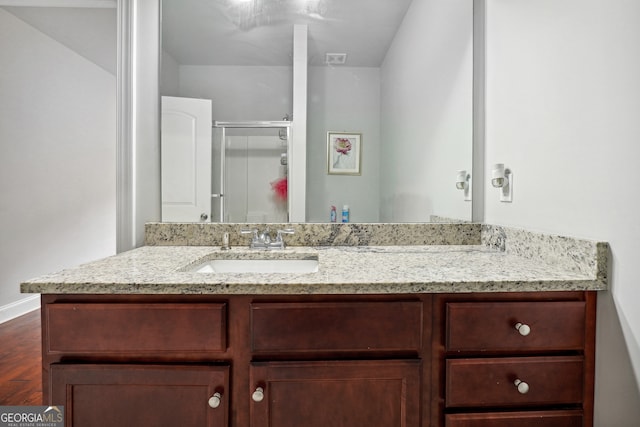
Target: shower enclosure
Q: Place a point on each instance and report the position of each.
(250, 165)
(225, 172)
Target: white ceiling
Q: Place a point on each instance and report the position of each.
(210, 32)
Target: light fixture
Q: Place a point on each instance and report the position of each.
(316, 8)
(502, 178)
(249, 14)
(463, 182)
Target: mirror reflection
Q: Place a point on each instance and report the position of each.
(396, 73)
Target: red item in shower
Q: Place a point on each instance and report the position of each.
(279, 186)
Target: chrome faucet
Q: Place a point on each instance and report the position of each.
(262, 240)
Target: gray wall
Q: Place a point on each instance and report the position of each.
(343, 99)
(426, 116)
(57, 159)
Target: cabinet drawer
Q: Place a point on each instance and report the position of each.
(490, 382)
(520, 419)
(336, 327)
(131, 328)
(491, 326)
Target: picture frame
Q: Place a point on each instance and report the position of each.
(344, 153)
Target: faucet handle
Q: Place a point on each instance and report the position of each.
(286, 231)
(281, 232)
(253, 231)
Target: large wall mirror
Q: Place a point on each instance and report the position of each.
(395, 77)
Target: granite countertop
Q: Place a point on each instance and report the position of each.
(342, 270)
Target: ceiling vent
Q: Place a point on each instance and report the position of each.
(335, 58)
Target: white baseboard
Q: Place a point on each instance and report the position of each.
(18, 308)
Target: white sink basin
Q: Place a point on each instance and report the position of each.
(256, 266)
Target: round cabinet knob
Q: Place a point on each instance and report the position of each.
(204, 217)
(214, 401)
(258, 395)
(523, 387)
(524, 329)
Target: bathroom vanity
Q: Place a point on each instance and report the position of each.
(464, 329)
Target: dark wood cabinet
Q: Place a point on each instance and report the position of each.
(333, 328)
(132, 328)
(407, 360)
(361, 393)
(141, 395)
(514, 359)
(491, 326)
(513, 381)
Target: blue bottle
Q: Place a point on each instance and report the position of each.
(345, 213)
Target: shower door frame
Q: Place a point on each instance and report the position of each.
(223, 126)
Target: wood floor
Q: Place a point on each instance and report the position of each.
(21, 361)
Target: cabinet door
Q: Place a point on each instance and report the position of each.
(337, 394)
(141, 395)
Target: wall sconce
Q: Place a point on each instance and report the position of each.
(502, 178)
(463, 182)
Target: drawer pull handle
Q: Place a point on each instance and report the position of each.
(523, 387)
(214, 401)
(523, 328)
(258, 395)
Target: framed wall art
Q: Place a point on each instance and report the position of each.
(344, 152)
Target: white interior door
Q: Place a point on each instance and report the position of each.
(186, 159)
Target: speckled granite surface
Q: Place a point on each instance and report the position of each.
(576, 255)
(316, 234)
(492, 259)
